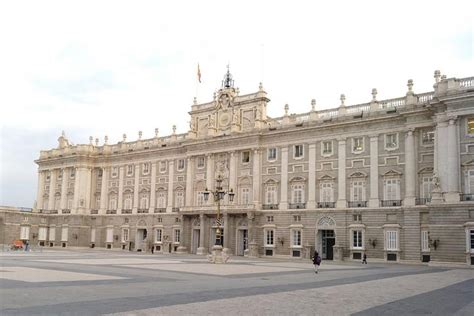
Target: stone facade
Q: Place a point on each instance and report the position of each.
(391, 178)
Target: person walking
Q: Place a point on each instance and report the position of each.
(316, 261)
(364, 258)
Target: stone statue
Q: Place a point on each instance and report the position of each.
(258, 114)
(436, 183)
(62, 140)
(192, 127)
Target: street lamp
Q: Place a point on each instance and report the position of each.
(219, 194)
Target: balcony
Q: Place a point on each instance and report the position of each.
(357, 204)
(175, 209)
(467, 197)
(129, 211)
(160, 210)
(142, 211)
(270, 206)
(111, 212)
(296, 205)
(422, 201)
(326, 204)
(390, 203)
(56, 212)
(94, 212)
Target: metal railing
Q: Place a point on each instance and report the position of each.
(297, 205)
(467, 197)
(422, 201)
(111, 212)
(160, 210)
(357, 204)
(94, 212)
(270, 206)
(128, 211)
(389, 203)
(142, 211)
(175, 209)
(326, 204)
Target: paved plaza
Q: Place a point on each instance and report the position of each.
(114, 283)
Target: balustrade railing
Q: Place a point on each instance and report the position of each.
(422, 201)
(270, 206)
(296, 205)
(111, 212)
(389, 203)
(466, 83)
(127, 211)
(94, 212)
(160, 210)
(357, 203)
(326, 204)
(175, 209)
(425, 97)
(467, 197)
(142, 211)
(392, 103)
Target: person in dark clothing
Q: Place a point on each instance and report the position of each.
(364, 259)
(316, 261)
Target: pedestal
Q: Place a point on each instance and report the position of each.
(436, 197)
(409, 201)
(253, 249)
(182, 250)
(227, 251)
(452, 197)
(374, 203)
(201, 251)
(217, 255)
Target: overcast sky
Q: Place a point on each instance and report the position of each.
(112, 67)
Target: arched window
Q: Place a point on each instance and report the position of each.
(161, 199)
(297, 193)
(127, 201)
(143, 201)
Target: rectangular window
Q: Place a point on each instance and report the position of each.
(114, 172)
(470, 126)
(109, 237)
(358, 191)
(357, 239)
(245, 156)
(162, 166)
(470, 182)
(52, 233)
(425, 244)
(296, 238)
(129, 170)
(92, 234)
(161, 199)
(472, 240)
(426, 186)
(25, 233)
(177, 236)
(181, 164)
(200, 162)
(42, 233)
(125, 234)
(269, 237)
(73, 173)
(391, 141)
(270, 196)
(298, 151)
(159, 234)
(245, 196)
(269, 219)
(427, 137)
(357, 217)
(179, 200)
(146, 168)
(64, 234)
(327, 148)
(200, 198)
(298, 193)
(357, 144)
(392, 189)
(272, 154)
(297, 218)
(326, 192)
(391, 240)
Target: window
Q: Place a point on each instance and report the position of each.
(42, 233)
(73, 173)
(146, 168)
(125, 234)
(200, 198)
(114, 172)
(162, 166)
(426, 186)
(127, 201)
(427, 137)
(470, 126)
(327, 193)
(357, 144)
(177, 236)
(298, 151)
(391, 242)
(470, 182)
(271, 194)
(64, 234)
(272, 154)
(358, 191)
(269, 219)
(326, 148)
(159, 235)
(144, 202)
(161, 199)
(357, 217)
(472, 240)
(130, 170)
(357, 239)
(25, 233)
(245, 196)
(112, 204)
(392, 189)
(52, 233)
(425, 240)
(60, 174)
(97, 202)
(100, 173)
(297, 218)
(269, 237)
(159, 220)
(109, 237)
(200, 162)
(181, 164)
(245, 156)
(93, 234)
(297, 194)
(391, 141)
(57, 202)
(296, 238)
(179, 199)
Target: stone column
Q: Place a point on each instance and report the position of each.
(189, 181)
(85, 181)
(136, 188)
(120, 190)
(103, 191)
(410, 169)
(210, 177)
(75, 201)
(40, 192)
(63, 204)
(256, 179)
(202, 250)
(169, 208)
(226, 233)
(341, 174)
(253, 245)
(284, 179)
(312, 177)
(453, 162)
(374, 171)
(232, 172)
(442, 154)
(52, 189)
(153, 187)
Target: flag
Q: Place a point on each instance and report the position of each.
(199, 74)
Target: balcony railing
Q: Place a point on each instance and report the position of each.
(175, 209)
(389, 203)
(357, 203)
(326, 204)
(160, 210)
(467, 197)
(297, 205)
(94, 212)
(111, 212)
(270, 206)
(56, 212)
(128, 211)
(422, 201)
(142, 211)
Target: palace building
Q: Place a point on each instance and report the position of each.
(390, 178)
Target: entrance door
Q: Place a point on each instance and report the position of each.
(242, 241)
(327, 241)
(196, 241)
(140, 239)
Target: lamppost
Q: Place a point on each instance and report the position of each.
(219, 194)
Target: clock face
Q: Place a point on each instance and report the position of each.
(224, 119)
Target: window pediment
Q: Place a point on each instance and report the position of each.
(426, 170)
(297, 179)
(271, 182)
(358, 175)
(469, 163)
(327, 178)
(392, 173)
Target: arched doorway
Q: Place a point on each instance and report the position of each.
(325, 237)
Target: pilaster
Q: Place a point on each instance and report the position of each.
(63, 204)
(374, 171)
(284, 179)
(189, 181)
(135, 188)
(256, 179)
(153, 187)
(120, 193)
(341, 173)
(40, 191)
(169, 207)
(232, 172)
(202, 229)
(312, 177)
(103, 191)
(210, 176)
(453, 162)
(52, 189)
(410, 169)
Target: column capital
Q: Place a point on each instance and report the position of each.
(341, 139)
(452, 120)
(284, 148)
(373, 137)
(409, 132)
(312, 145)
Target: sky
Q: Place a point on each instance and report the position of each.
(96, 68)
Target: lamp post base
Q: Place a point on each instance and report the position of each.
(217, 255)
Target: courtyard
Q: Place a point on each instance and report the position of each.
(80, 282)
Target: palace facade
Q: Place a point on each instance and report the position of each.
(390, 178)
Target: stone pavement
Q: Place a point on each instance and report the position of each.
(99, 282)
